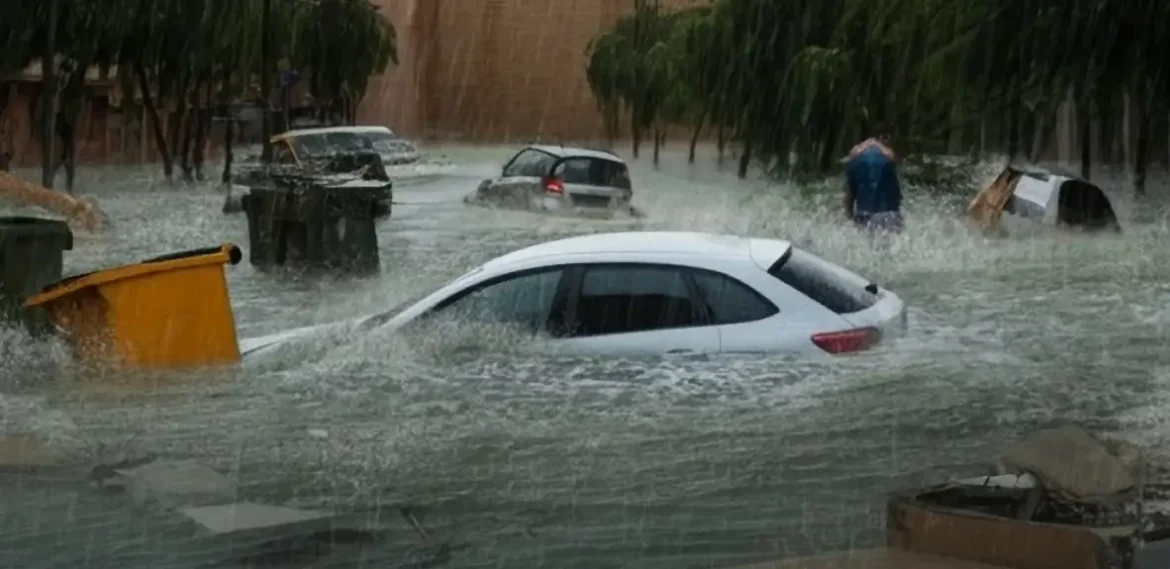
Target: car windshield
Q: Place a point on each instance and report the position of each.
(385, 141)
(310, 145)
(384, 317)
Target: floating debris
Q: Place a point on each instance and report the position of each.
(177, 484)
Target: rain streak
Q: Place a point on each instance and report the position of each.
(230, 231)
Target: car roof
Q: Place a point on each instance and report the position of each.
(651, 243)
(331, 129)
(576, 152)
(1043, 174)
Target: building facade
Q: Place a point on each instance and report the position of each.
(472, 70)
(493, 70)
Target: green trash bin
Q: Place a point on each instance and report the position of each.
(31, 257)
(308, 225)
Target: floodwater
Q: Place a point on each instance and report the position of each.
(512, 459)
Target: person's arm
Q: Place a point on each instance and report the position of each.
(849, 198)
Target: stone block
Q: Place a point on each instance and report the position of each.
(172, 485)
(21, 452)
(245, 521)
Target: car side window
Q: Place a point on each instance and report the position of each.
(528, 163)
(525, 301)
(574, 171)
(730, 301)
(617, 299)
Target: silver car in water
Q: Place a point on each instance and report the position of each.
(560, 179)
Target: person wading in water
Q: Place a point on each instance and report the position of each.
(873, 197)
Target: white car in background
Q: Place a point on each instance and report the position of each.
(648, 293)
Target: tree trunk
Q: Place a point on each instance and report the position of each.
(1013, 132)
(982, 148)
(68, 134)
(1044, 128)
(160, 138)
(49, 96)
(1141, 150)
(69, 157)
(720, 143)
(635, 139)
(201, 127)
(657, 144)
(611, 126)
(175, 129)
(266, 65)
(829, 150)
(744, 160)
(954, 131)
(72, 100)
(1085, 128)
(1105, 130)
(228, 134)
(185, 164)
(698, 128)
(1126, 135)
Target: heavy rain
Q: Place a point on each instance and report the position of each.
(163, 123)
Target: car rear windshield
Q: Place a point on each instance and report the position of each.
(830, 286)
(593, 172)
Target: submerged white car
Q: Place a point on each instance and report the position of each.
(1050, 198)
(648, 293)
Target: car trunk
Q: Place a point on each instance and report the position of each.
(593, 182)
(862, 305)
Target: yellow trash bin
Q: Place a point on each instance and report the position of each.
(167, 312)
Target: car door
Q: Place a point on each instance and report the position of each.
(634, 309)
(519, 179)
(747, 321)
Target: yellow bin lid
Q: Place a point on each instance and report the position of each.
(226, 253)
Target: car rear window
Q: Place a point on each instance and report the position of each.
(594, 172)
(830, 286)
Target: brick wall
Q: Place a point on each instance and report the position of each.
(492, 70)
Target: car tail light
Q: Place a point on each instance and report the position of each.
(846, 341)
(554, 186)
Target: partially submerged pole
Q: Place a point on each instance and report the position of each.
(49, 97)
(266, 81)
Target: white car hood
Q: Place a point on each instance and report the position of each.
(251, 346)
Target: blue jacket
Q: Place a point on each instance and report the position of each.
(874, 181)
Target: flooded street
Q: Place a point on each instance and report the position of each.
(521, 460)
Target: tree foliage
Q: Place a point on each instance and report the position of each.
(796, 82)
(184, 56)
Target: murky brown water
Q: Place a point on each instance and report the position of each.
(529, 461)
